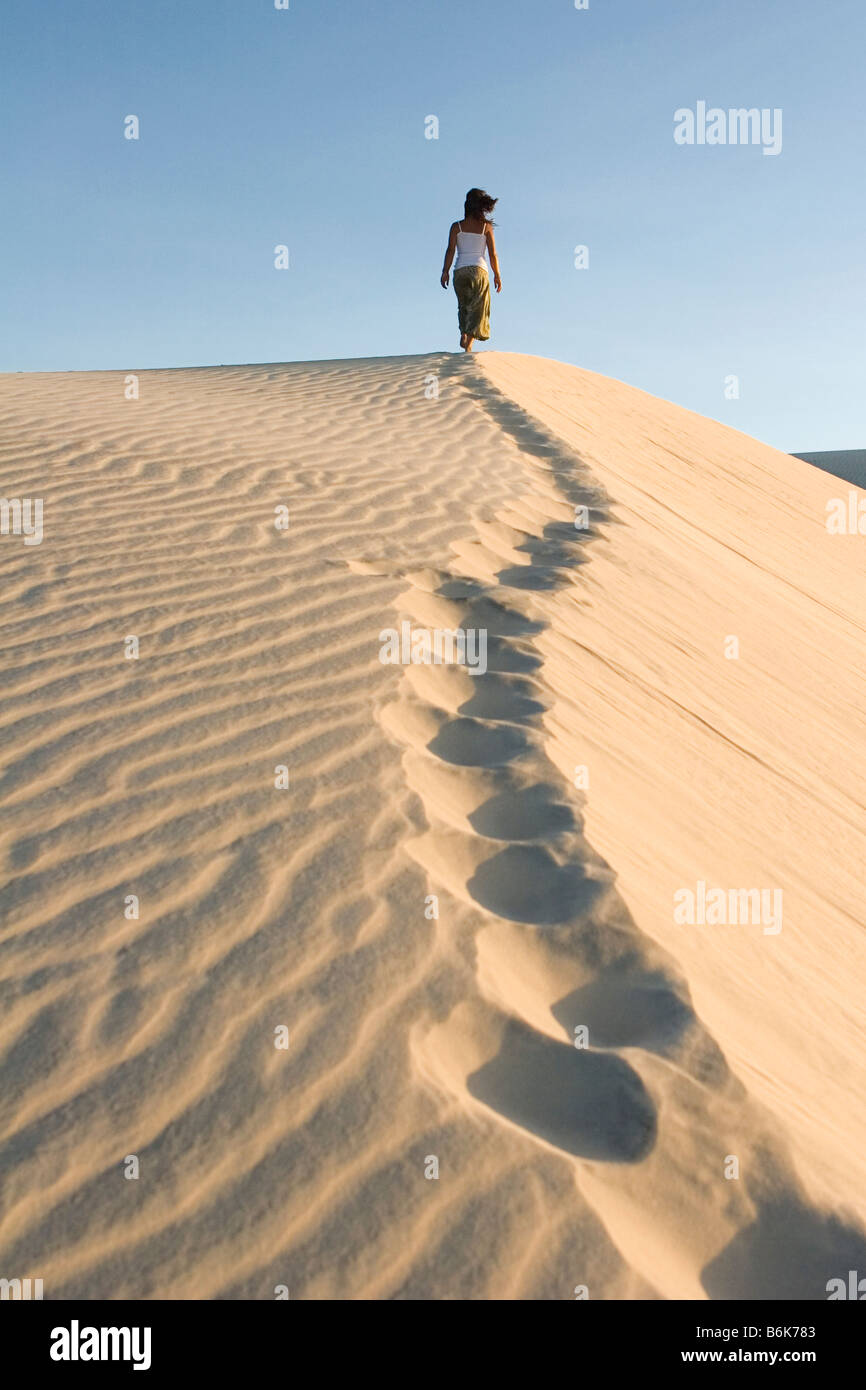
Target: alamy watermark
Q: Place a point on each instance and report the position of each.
(846, 519)
(438, 646)
(77, 1343)
(730, 907)
(854, 1288)
(22, 516)
(20, 1289)
(711, 125)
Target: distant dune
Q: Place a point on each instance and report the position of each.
(849, 464)
(512, 1070)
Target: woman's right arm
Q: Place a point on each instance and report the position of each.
(449, 255)
(491, 251)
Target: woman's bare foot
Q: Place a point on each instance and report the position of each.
(467, 346)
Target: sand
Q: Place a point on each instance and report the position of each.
(332, 1025)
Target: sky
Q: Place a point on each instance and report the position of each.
(724, 279)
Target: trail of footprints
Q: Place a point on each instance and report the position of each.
(559, 951)
(505, 835)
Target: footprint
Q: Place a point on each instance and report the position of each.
(627, 1009)
(525, 883)
(470, 743)
(532, 578)
(530, 813)
(593, 1105)
(491, 696)
(589, 1105)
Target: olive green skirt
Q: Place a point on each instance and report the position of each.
(472, 287)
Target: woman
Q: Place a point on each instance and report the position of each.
(471, 239)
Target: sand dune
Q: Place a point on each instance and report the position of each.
(466, 874)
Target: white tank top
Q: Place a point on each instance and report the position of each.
(471, 247)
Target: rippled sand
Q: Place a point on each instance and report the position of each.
(465, 873)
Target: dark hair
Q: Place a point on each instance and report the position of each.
(479, 204)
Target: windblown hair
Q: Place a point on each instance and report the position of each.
(479, 204)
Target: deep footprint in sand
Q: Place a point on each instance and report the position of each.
(524, 883)
(592, 1105)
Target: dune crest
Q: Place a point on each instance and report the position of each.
(431, 907)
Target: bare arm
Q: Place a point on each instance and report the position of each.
(491, 251)
(449, 255)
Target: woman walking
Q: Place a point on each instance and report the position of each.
(472, 239)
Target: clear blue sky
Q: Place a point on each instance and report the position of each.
(306, 127)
